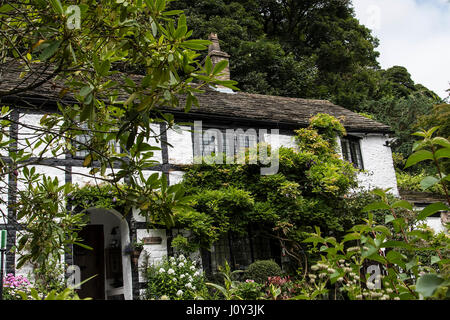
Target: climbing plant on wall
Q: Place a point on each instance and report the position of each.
(307, 190)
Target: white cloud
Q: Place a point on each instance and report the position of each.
(414, 34)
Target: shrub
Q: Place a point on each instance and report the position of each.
(261, 270)
(249, 290)
(287, 288)
(175, 278)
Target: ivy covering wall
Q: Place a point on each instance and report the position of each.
(309, 190)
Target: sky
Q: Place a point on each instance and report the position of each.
(414, 34)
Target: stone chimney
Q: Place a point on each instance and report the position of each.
(218, 55)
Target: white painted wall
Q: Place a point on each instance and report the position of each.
(435, 223)
(152, 253)
(276, 141)
(181, 151)
(378, 164)
(34, 135)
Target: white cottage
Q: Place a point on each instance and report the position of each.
(366, 145)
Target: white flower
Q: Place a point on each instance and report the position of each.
(370, 285)
(192, 268)
(181, 264)
(172, 259)
(164, 297)
(161, 270)
(197, 273)
(397, 298)
(188, 285)
(181, 258)
(190, 279)
(170, 271)
(182, 276)
(179, 293)
(174, 279)
(193, 288)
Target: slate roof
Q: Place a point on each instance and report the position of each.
(280, 110)
(275, 110)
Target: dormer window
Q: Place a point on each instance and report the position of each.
(351, 151)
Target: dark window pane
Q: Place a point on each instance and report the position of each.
(351, 151)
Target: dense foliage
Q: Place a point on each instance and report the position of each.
(308, 190)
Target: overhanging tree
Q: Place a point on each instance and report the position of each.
(80, 54)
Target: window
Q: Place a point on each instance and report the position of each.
(232, 139)
(84, 141)
(351, 151)
(239, 251)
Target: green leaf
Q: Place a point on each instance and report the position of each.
(6, 8)
(49, 51)
(431, 209)
(314, 239)
(395, 257)
(154, 28)
(172, 12)
(195, 44)
(382, 229)
(220, 66)
(85, 91)
(83, 246)
(442, 153)
(428, 182)
(396, 244)
(57, 6)
(411, 264)
(418, 156)
(380, 192)
(160, 5)
(379, 205)
(435, 259)
(431, 131)
(104, 68)
(87, 160)
(388, 218)
(441, 141)
(376, 257)
(428, 284)
(208, 65)
(402, 204)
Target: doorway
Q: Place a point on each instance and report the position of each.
(108, 234)
(91, 262)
